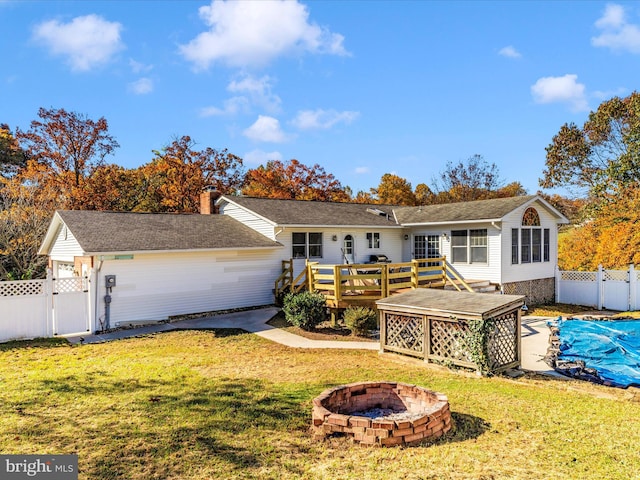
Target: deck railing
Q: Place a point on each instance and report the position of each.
(365, 282)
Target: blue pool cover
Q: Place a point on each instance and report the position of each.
(606, 352)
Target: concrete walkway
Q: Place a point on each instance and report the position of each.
(535, 335)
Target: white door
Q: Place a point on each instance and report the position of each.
(348, 249)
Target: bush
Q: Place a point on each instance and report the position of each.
(360, 320)
(304, 310)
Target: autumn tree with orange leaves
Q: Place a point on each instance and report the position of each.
(293, 180)
(70, 146)
(174, 179)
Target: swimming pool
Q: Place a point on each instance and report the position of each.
(601, 351)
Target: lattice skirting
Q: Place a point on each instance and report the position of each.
(537, 292)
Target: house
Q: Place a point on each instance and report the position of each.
(511, 242)
(143, 267)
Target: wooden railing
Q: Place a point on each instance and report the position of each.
(286, 282)
(368, 282)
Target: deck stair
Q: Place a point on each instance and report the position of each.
(478, 286)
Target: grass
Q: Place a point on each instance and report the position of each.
(227, 404)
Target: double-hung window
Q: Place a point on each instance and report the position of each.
(469, 246)
(306, 244)
(373, 239)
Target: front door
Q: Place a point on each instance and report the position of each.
(347, 249)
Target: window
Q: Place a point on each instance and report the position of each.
(373, 238)
(469, 246)
(545, 247)
(459, 246)
(306, 245)
(525, 242)
(534, 242)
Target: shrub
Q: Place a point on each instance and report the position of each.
(360, 320)
(304, 310)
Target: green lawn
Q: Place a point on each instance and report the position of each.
(227, 404)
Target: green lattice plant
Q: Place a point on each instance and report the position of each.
(477, 338)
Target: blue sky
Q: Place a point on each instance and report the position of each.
(361, 87)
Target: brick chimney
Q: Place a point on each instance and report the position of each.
(208, 201)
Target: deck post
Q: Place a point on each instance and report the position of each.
(292, 286)
(309, 277)
(384, 281)
(414, 274)
(337, 284)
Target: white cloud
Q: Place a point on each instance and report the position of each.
(510, 52)
(252, 34)
(617, 34)
(86, 42)
(565, 89)
(362, 170)
(231, 106)
(322, 119)
(141, 86)
(266, 129)
(258, 90)
(137, 67)
(259, 157)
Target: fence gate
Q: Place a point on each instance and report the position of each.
(71, 305)
(615, 290)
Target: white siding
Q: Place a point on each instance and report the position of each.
(249, 219)
(391, 244)
(471, 271)
(65, 246)
(529, 271)
(156, 286)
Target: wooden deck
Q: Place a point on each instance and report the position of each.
(345, 285)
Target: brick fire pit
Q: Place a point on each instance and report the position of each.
(381, 413)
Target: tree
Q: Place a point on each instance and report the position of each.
(601, 156)
(293, 180)
(70, 145)
(24, 218)
(610, 238)
(11, 155)
(174, 179)
(394, 190)
(423, 194)
(473, 179)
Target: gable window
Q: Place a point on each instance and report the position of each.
(306, 244)
(532, 241)
(469, 246)
(373, 238)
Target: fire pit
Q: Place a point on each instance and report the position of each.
(381, 413)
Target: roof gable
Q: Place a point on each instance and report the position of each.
(479, 210)
(102, 232)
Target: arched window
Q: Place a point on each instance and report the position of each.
(530, 218)
(530, 244)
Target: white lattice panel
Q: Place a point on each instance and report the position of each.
(21, 288)
(579, 276)
(67, 285)
(617, 275)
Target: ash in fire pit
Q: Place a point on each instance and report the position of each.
(381, 413)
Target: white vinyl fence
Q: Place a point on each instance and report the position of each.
(604, 289)
(44, 308)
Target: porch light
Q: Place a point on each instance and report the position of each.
(445, 236)
(406, 237)
(334, 238)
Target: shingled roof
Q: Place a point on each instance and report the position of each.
(102, 232)
(493, 209)
(302, 212)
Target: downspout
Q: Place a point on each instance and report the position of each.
(97, 286)
(497, 227)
